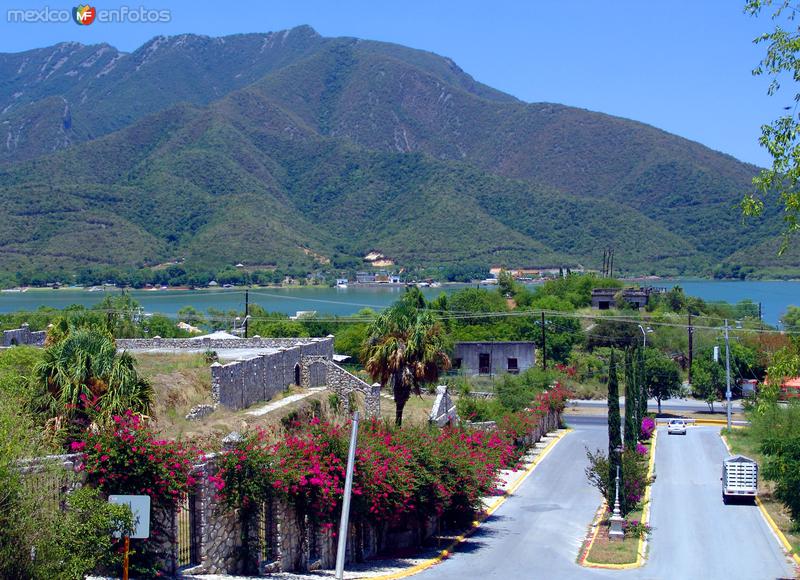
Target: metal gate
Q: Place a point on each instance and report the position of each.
(267, 532)
(188, 531)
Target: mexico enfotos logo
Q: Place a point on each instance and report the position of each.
(85, 14)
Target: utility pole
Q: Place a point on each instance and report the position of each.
(544, 346)
(611, 264)
(691, 353)
(728, 373)
(246, 309)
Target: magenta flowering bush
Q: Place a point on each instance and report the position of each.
(399, 473)
(129, 459)
(636, 529)
(647, 428)
(641, 449)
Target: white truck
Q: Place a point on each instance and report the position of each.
(739, 478)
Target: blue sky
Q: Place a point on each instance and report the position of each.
(679, 65)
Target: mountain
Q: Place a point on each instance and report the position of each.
(289, 149)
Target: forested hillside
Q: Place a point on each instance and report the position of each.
(289, 149)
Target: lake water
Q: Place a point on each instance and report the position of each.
(774, 296)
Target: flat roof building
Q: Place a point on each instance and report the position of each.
(492, 358)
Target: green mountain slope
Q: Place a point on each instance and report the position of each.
(244, 180)
(390, 105)
(289, 148)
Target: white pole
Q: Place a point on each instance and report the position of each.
(348, 487)
(728, 373)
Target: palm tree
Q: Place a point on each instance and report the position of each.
(83, 374)
(404, 345)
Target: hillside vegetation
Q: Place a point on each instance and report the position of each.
(291, 150)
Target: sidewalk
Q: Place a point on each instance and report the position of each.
(397, 567)
(268, 408)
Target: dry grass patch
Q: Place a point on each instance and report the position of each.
(179, 381)
(416, 411)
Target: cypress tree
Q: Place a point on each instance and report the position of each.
(642, 380)
(614, 434)
(631, 401)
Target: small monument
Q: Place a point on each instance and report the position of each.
(444, 409)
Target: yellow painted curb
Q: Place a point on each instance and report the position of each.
(714, 423)
(477, 523)
(642, 547)
(782, 539)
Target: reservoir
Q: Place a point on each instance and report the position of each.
(774, 296)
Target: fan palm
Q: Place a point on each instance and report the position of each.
(85, 367)
(404, 346)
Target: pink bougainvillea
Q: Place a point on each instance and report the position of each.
(399, 473)
(129, 459)
(647, 428)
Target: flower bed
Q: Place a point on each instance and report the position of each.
(599, 550)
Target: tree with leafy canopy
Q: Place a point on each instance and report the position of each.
(708, 380)
(791, 319)
(83, 379)
(781, 137)
(405, 346)
(663, 378)
(506, 284)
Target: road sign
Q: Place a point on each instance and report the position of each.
(140, 508)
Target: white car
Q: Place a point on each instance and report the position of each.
(676, 427)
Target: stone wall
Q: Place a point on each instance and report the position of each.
(24, 335)
(200, 343)
(341, 382)
(220, 531)
(239, 384)
(230, 542)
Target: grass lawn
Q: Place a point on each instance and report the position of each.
(742, 443)
(606, 551)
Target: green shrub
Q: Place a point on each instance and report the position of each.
(474, 409)
(79, 540)
(516, 392)
(778, 430)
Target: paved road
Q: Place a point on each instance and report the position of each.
(667, 406)
(537, 532)
(696, 535)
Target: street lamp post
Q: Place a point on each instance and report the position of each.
(644, 335)
(616, 520)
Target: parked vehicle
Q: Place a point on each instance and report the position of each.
(676, 427)
(739, 478)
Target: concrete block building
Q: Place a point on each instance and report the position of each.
(492, 358)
